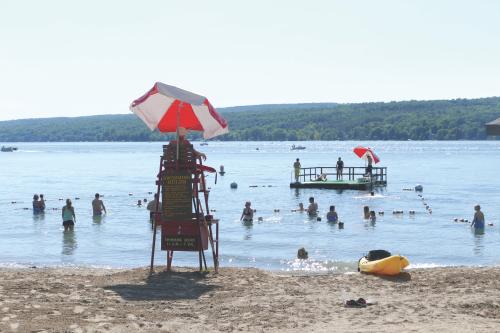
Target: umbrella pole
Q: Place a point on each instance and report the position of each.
(178, 125)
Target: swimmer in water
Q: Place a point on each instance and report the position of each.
(300, 209)
(68, 216)
(478, 221)
(366, 212)
(312, 210)
(247, 214)
(98, 206)
(332, 216)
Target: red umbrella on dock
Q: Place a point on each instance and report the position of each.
(364, 152)
(167, 108)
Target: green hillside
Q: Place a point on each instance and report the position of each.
(460, 119)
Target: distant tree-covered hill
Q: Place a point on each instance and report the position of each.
(460, 119)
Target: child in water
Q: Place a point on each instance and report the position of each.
(373, 217)
(332, 216)
(300, 209)
(247, 215)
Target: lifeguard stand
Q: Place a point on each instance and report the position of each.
(184, 224)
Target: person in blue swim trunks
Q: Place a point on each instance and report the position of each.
(478, 221)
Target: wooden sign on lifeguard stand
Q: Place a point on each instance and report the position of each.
(184, 225)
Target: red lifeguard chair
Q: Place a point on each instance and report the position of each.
(186, 224)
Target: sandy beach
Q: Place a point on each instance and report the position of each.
(103, 300)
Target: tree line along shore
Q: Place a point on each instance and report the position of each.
(458, 119)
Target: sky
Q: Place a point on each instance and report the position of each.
(75, 58)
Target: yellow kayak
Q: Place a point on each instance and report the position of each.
(388, 266)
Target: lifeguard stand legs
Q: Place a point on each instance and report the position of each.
(155, 216)
(198, 182)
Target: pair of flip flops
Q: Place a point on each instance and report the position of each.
(359, 303)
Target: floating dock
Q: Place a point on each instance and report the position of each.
(353, 178)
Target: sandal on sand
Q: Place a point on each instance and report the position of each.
(355, 304)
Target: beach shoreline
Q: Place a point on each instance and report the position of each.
(448, 299)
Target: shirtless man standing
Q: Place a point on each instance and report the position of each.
(98, 206)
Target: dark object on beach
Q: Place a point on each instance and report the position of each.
(359, 303)
(234, 185)
(419, 188)
(377, 255)
(341, 225)
(77, 198)
(318, 219)
(302, 253)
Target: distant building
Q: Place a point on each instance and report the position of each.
(493, 127)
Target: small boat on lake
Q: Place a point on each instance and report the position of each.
(294, 147)
(8, 149)
(203, 144)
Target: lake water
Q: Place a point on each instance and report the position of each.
(455, 176)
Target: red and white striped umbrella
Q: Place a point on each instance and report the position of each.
(167, 108)
(363, 152)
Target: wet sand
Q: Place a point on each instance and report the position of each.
(99, 300)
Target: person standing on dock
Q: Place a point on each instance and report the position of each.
(369, 168)
(296, 169)
(340, 169)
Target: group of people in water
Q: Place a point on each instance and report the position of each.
(68, 211)
(312, 211)
(247, 215)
